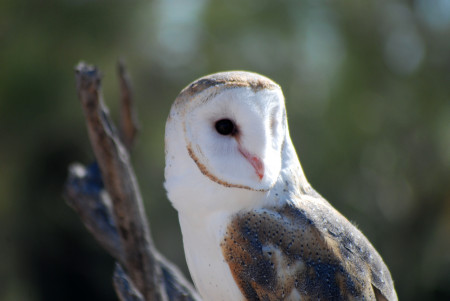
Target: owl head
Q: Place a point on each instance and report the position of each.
(227, 129)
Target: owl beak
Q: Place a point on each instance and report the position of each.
(255, 162)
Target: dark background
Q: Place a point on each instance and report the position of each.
(368, 99)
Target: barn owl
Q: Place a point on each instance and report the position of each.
(253, 227)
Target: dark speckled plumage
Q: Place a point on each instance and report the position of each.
(303, 250)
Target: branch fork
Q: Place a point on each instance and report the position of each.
(107, 198)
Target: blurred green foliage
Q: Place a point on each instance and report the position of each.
(368, 98)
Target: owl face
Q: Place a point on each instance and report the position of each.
(235, 136)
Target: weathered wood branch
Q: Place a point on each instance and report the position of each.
(110, 204)
(84, 192)
(120, 182)
(129, 126)
(124, 287)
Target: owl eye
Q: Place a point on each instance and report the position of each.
(225, 127)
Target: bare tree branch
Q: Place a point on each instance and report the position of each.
(111, 205)
(124, 287)
(121, 184)
(128, 118)
(176, 286)
(84, 192)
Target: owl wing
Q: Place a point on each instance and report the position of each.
(303, 251)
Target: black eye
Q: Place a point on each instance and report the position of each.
(225, 127)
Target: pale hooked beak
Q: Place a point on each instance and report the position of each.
(254, 161)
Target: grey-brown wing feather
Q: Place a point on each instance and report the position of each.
(303, 251)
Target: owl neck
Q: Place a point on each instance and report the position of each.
(292, 182)
(291, 169)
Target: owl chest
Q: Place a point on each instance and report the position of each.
(207, 266)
